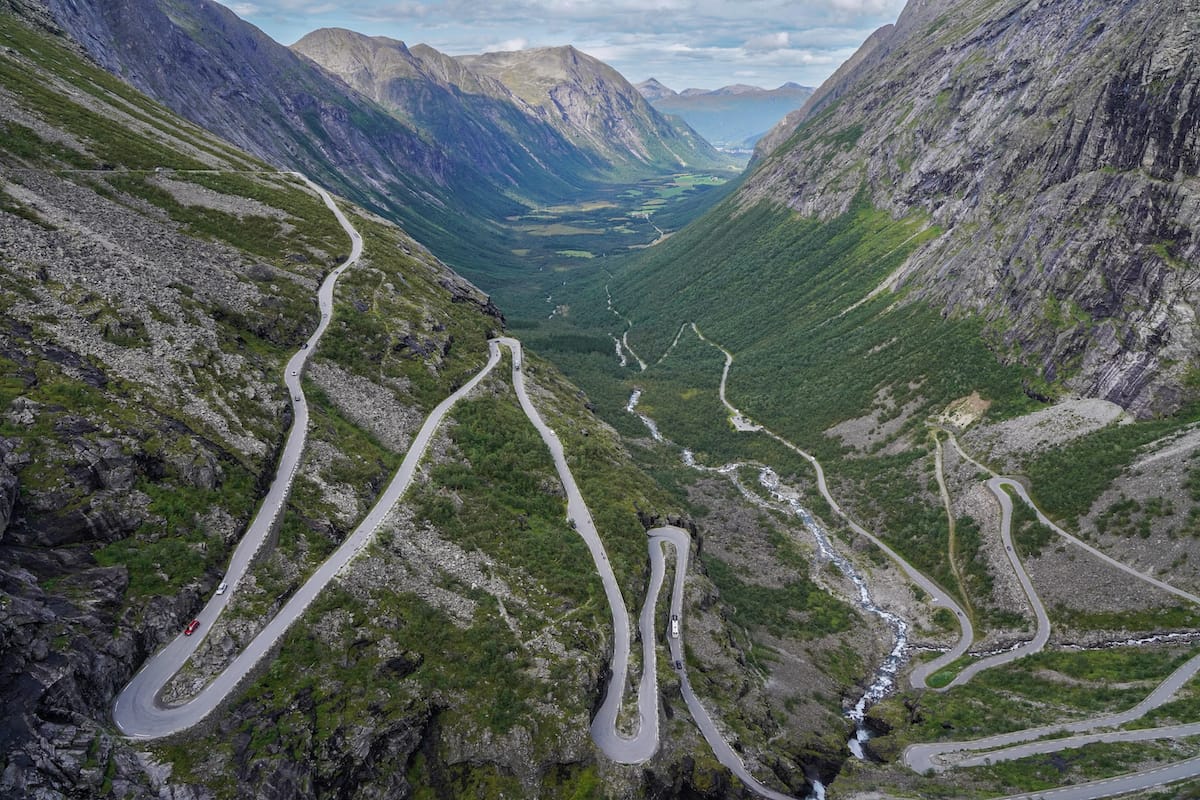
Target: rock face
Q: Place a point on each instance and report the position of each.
(1056, 147)
(594, 107)
(510, 136)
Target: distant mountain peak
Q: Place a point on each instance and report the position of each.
(594, 106)
(652, 90)
(732, 116)
(739, 88)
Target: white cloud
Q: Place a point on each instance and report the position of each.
(507, 46)
(681, 42)
(769, 41)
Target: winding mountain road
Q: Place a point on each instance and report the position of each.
(1029, 742)
(938, 596)
(140, 714)
(136, 709)
(641, 746)
(1042, 634)
(1018, 744)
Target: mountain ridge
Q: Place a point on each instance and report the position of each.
(457, 196)
(734, 115)
(595, 106)
(497, 131)
(1074, 126)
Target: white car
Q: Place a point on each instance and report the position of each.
(221, 589)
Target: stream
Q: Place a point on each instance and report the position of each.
(885, 676)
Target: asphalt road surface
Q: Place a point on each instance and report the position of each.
(1016, 745)
(136, 709)
(1029, 742)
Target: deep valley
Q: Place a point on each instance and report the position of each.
(387, 391)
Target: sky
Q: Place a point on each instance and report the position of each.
(702, 44)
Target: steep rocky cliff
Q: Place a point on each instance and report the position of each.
(1056, 148)
(594, 106)
(476, 115)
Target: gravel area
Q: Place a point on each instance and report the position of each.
(369, 405)
(884, 421)
(193, 194)
(1006, 444)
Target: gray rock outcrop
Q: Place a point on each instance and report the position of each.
(1055, 147)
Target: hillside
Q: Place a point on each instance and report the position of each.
(207, 65)
(456, 101)
(453, 156)
(156, 280)
(1057, 155)
(971, 255)
(471, 114)
(732, 117)
(955, 216)
(596, 108)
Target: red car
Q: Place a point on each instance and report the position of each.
(191, 627)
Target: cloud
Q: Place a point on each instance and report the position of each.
(507, 46)
(683, 43)
(769, 41)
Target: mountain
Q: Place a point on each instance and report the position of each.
(155, 281)
(840, 79)
(482, 121)
(447, 156)
(1051, 175)
(994, 207)
(731, 115)
(652, 90)
(596, 108)
(206, 64)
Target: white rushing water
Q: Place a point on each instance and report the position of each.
(885, 677)
(621, 357)
(631, 407)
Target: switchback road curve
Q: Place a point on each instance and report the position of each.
(1017, 744)
(136, 710)
(139, 713)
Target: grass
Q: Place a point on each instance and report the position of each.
(501, 469)
(801, 365)
(173, 549)
(799, 609)
(1091, 762)
(1067, 480)
(1026, 693)
(1030, 535)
